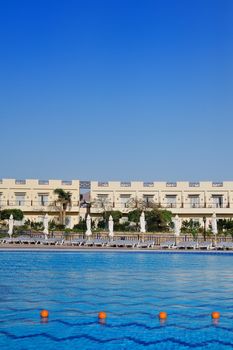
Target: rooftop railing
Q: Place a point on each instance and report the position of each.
(20, 182)
(43, 182)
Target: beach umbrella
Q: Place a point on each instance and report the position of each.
(214, 224)
(11, 225)
(88, 232)
(177, 226)
(46, 226)
(110, 226)
(142, 223)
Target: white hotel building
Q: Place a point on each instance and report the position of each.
(187, 199)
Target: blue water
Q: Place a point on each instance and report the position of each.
(131, 287)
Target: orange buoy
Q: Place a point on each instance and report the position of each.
(162, 315)
(215, 315)
(102, 315)
(44, 314)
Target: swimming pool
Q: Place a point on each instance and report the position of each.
(131, 287)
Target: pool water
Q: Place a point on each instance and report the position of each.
(131, 287)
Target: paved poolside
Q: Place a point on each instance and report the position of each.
(60, 248)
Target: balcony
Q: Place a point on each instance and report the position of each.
(29, 205)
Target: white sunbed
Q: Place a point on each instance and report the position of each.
(187, 245)
(224, 245)
(114, 243)
(27, 240)
(146, 244)
(205, 245)
(228, 245)
(89, 243)
(51, 241)
(168, 244)
(78, 242)
(100, 242)
(220, 245)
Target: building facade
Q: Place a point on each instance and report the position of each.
(36, 198)
(187, 199)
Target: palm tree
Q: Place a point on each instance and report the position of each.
(63, 201)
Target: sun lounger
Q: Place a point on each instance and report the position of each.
(112, 243)
(9, 240)
(220, 245)
(187, 245)
(78, 242)
(100, 242)
(228, 245)
(146, 244)
(89, 243)
(51, 241)
(205, 245)
(27, 240)
(168, 245)
(224, 245)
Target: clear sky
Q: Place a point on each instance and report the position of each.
(116, 89)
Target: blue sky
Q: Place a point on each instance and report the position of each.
(116, 89)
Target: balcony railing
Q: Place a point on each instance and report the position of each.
(125, 184)
(20, 182)
(171, 184)
(33, 205)
(194, 184)
(66, 182)
(217, 184)
(103, 184)
(148, 184)
(43, 182)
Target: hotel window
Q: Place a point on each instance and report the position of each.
(101, 200)
(148, 184)
(66, 183)
(19, 199)
(171, 184)
(194, 184)
(148, 199)
(171, 201)
(194, 200)
(43, 182)
(125, 184)
(102, 196)
(0, 181)
(43, 199)
(124, 198)
(217, 184)
(217, 201)
(20, 182)
(0, 199)
(103, 184)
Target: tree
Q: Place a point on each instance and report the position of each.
(105, 205)
(191, 226)
(6, 213)
(63, 201)
(140, 203)
(134, 215)
(158, 220)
